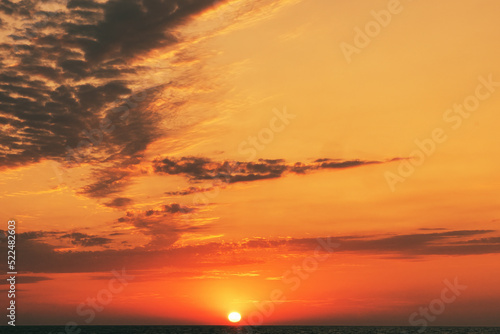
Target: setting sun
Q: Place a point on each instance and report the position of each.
(234, 317)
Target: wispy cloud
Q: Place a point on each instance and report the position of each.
(162, 225)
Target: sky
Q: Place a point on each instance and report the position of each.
(315, 162)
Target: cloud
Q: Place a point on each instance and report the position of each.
(107, 182)
(218, 254)
(164, 225)
(132, 27)
(202, 256)
(189, 190)
(418, 244)
(36, 234)
(67, 71)
(405, 245)
(24, 279)
(84, 4)
(86, 240)
(198, 168)
(119, 202)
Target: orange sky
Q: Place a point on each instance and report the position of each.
(248, 140)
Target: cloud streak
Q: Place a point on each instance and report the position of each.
(221, 254)
(199, 168)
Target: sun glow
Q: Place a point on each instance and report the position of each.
(234, 317)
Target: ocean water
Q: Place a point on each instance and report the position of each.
(246, 330)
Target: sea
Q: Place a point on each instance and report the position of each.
(246, 330)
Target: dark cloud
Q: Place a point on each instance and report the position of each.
(86, 240)
(34, 235)
(196, 168)
(345, 164)
(169, 208)
(407, 245)
(119, 202)
(107, 182)
(164, 225)
(412, 245)
(484, 241)
(85, 4)
(177, 208)
(131, 27)
(66, 77)
(189, 190)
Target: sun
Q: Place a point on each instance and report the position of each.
(234, 317)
